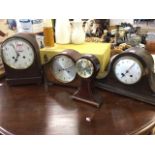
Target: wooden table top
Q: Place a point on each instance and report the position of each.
(34, 110)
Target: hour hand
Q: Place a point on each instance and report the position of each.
(122, 75)
(16, 59)
(17, 54)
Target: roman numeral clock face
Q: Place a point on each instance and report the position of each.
(18, 53)
(128, 70)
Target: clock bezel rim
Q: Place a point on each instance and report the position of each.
(22, 38)
(51, 64)
(131, 55)
(29, 37)
(137, 61)
(93, 60)
(91, 63)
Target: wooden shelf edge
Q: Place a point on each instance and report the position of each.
(144, 129)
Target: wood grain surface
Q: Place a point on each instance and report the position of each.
(33, 110)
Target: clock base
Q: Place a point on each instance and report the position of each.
(94, 100)
(140, 91)
(19, 81)
(86, 93)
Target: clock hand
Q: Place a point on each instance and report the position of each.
(122, 75)
(63, 69)
(67, 67)
(13, 46)
(16, 59)
(127, 71)
(17, 54)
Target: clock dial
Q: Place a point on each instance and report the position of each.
(18, 53)
(128, 70)
(63, 68)
(85, 68)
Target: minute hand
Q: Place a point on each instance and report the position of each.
(130, 68)
(17, 54)
(63, 69)
(67, 67)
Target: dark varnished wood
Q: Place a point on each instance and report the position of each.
(33, 74)
(85, 92)
(50, 77)
(2, 34)
(4, 132)
(32, 110)
(150, 46)
(143, 90)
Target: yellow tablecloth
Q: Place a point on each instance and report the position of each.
(100, 50)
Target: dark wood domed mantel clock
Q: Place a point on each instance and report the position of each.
(20, 55)
(131, 74)
(87, 68)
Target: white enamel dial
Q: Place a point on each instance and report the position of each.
(85, 68)
(17, 53)
(63, 68)
(128, 70)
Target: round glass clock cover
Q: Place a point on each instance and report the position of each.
(63, 68)
(128, 70)
(85, 68)
(18, 53)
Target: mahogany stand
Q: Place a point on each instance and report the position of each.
(87, 94)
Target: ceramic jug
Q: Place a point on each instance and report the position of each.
(63, 31)
(78, 33)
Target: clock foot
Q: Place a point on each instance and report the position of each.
(90, 98)
(24, 81)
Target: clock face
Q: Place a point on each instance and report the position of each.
(63, 68)
(18, 53)
(128, 70)
(85, 68)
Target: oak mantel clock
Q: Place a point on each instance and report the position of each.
(20, 55)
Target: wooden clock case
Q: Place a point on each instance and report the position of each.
(144, 90)
(85, 92)
(150, 46)
(50, 78)
(31, 75)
